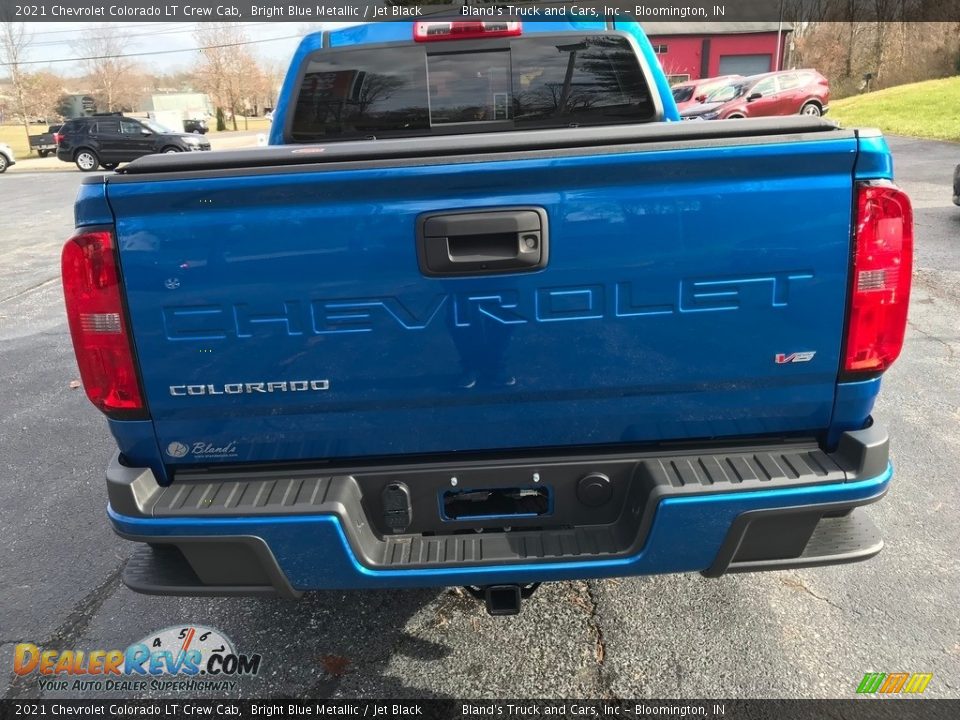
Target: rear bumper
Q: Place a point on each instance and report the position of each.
(730, 509)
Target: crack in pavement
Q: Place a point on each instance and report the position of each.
(75, 624)
(27, 290)
(933, 337)
(922, 277)
(589, 602)
(798, 584)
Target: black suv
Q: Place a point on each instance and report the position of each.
(108, 140)
(196, 126)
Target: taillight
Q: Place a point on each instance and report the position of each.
(882, 269)
(101, 339)
(465, 30)
(57, 138)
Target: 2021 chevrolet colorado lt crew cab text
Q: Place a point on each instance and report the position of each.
(478, 316)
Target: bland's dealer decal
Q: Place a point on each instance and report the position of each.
(185, 659)
(203, 450)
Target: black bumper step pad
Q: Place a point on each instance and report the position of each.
(798, 537)
(835, 540)
(164, 570)
(572, 530)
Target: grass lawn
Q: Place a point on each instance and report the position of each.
(15, 137)
(254, 124)
(929, 109)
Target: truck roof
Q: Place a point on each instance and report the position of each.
(391, 32)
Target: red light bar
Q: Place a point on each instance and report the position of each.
(465, 30)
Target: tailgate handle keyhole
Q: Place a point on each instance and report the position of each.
(482, 242)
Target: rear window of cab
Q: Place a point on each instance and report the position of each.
(530, 82)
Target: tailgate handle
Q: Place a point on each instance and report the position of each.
(482, 242)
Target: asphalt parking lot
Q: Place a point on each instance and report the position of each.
(785, 634)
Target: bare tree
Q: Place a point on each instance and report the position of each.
(212, 71)
(274, 72)
(246, 83)
(14, 43)
(883, 11)
(110, 72)
(852, 25)
(889, 52)
(43, 92)
(228, 71)
(956, 47)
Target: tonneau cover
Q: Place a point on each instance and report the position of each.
(438, 146)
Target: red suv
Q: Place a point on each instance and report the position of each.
(789, 92)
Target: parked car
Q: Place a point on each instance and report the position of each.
(46, 143)
(693, 92)
(956, 186)
(526, 347)
(790, 92)
(110, 139)
(7, 158)
(196, 126)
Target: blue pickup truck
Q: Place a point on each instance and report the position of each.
(486, 313)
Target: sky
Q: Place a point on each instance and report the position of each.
(51, 41)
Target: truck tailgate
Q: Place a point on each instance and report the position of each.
(692, 290)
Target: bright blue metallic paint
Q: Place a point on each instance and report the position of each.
(874, 160)
(295, 541)
(670, 112)
(244, 246)
(138, 442)
(91, 207)
(402, 31)
(311, 43)
(368, 33)
(851, 408)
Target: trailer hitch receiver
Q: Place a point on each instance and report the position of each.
(503, 599)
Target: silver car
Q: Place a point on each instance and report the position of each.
(7, 158)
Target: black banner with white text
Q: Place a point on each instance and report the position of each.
(865, 709)
(529, 11)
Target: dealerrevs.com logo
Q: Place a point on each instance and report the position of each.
(185, 658)
(894, 683)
